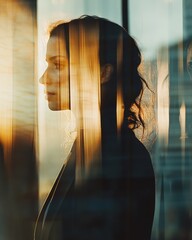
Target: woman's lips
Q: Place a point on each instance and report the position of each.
(50, 95)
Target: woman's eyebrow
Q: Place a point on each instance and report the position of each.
(55, 57)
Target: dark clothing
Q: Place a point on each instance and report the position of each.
(116, 205)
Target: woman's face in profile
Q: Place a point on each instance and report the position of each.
(56, 76)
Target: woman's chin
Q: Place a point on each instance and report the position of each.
(55, 106)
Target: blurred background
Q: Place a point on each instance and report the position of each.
(32, 138)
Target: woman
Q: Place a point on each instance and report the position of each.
(106, 189)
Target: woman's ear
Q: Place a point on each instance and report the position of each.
(106, 72)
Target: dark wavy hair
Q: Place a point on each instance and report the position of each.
(132, 82)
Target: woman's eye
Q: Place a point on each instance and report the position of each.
(59, 65)
(56, 65)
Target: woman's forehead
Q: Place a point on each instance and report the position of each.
(56, 46)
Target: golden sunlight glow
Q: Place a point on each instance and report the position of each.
(16, 74)
(182, 120)
(163, 110)
(6, 117)
(119, 108)
(6, 93)
(163, 97)
(85, 100)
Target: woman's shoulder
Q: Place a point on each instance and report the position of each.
(139, 156)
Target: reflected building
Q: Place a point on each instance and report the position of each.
(175, 166)
(187, 18)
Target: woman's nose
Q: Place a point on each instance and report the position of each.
(42, 78)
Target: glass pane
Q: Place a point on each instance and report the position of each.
(163, 29)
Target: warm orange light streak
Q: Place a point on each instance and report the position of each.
(163, 97)
(119, 107)
(182, 121)
(16, 74)
(6, 89)
(85, 97)
(6, 111)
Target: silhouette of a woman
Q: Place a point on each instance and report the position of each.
(106, 189)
